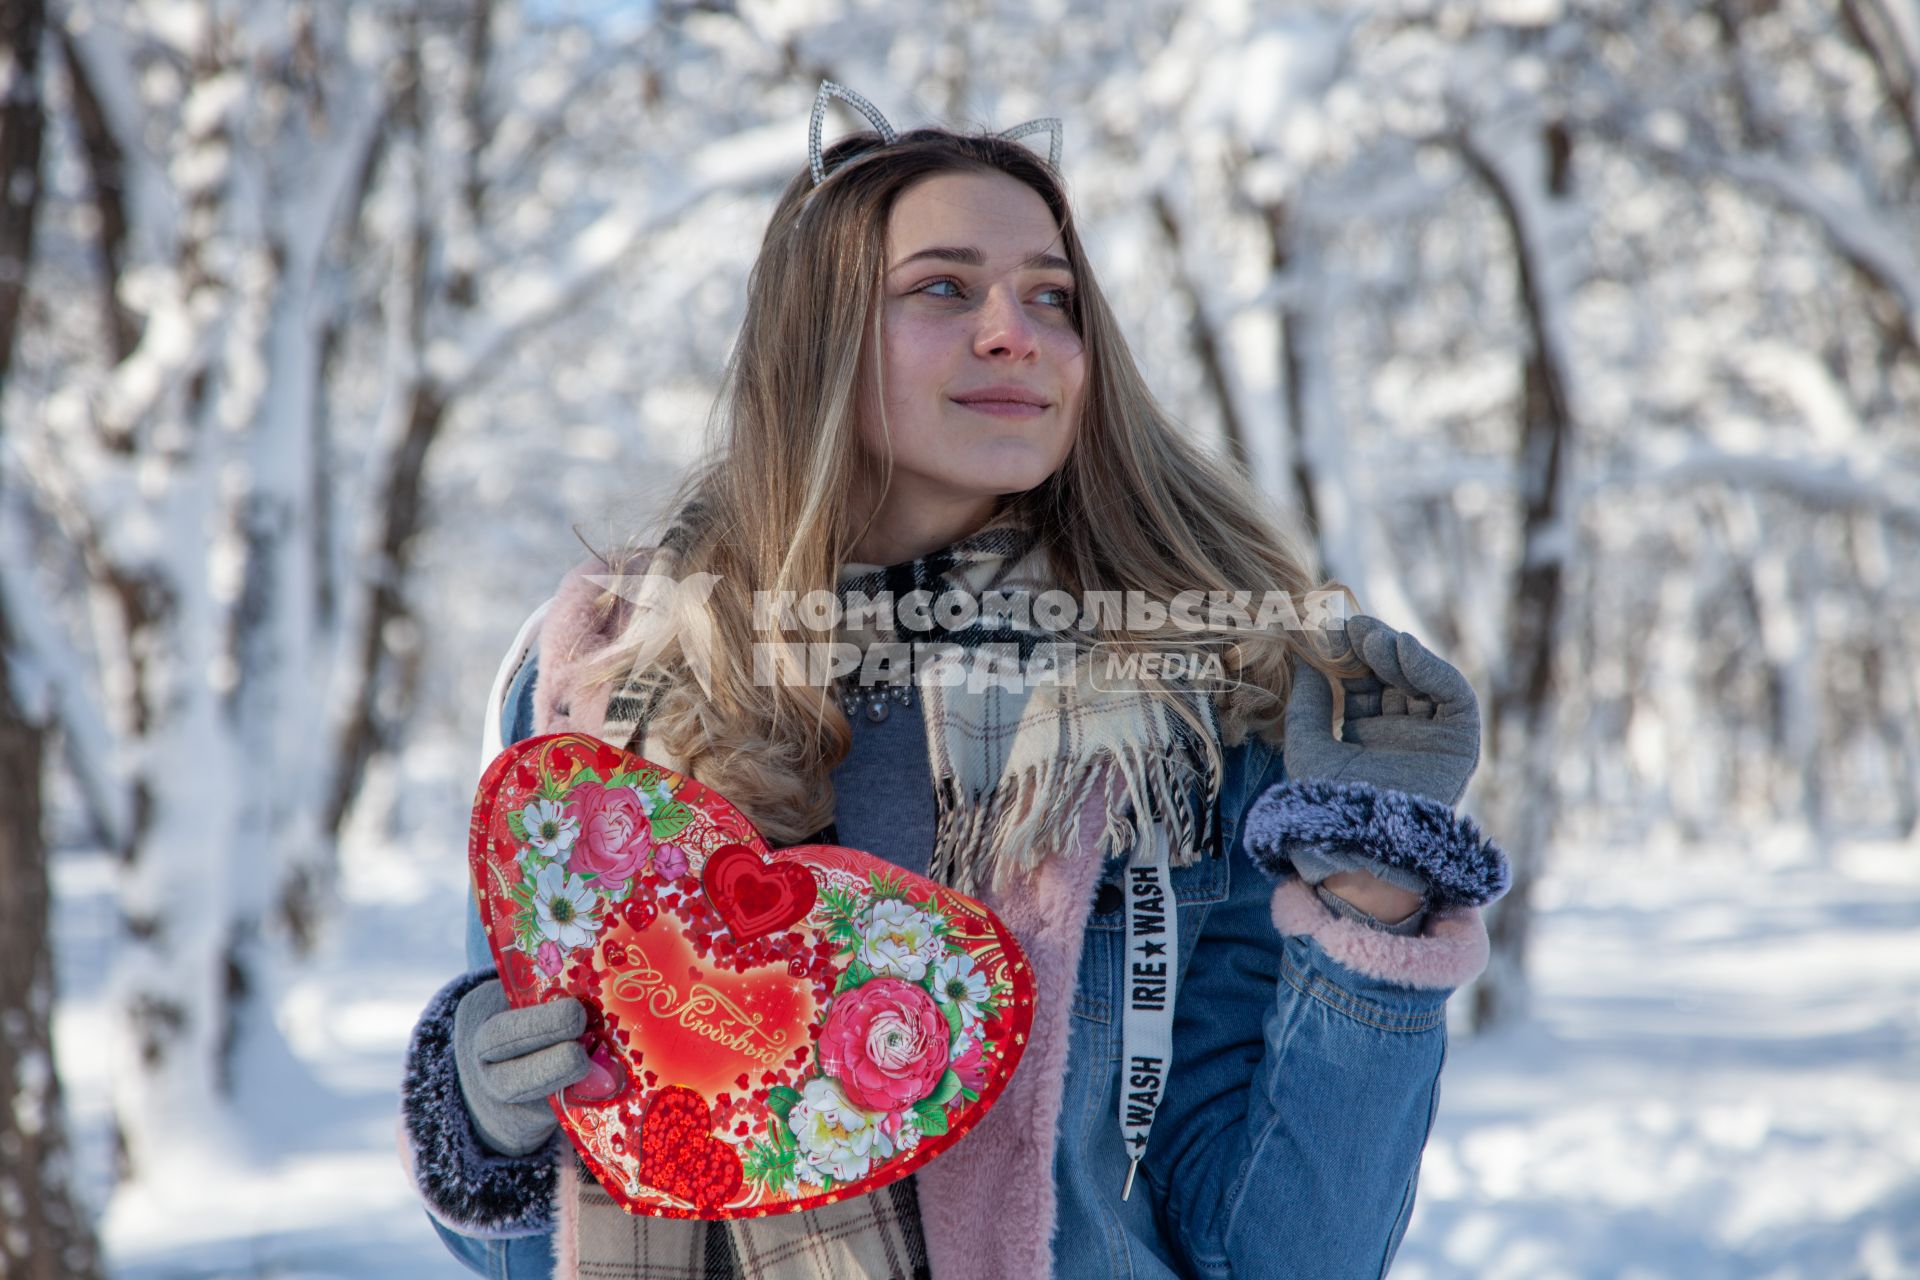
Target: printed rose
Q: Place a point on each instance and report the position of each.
(885, 1043)
(548, 957)
(614, 840)
(898, 941)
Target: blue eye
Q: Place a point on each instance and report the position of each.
(1065, 302)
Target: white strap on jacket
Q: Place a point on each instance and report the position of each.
(491, 743)
(1152, 963)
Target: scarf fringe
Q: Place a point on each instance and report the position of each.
(986, 838)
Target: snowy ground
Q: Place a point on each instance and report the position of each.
(1721, 1078)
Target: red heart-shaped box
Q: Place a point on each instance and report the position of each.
(771, 1030)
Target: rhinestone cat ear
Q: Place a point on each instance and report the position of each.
(828, 89)
(1054, 133)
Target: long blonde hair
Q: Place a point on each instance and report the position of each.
(1135, 507)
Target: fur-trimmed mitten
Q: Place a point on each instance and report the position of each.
(1379, 798)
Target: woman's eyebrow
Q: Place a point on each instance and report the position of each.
(968, 256)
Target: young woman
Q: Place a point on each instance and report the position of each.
(930, 395)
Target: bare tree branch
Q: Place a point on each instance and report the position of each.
(1823, 482)
(1871, 28)
(1882, 257)
(106, 165)
(1202, 336)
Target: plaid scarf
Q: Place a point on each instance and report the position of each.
(874, 1235)
(1014, 762)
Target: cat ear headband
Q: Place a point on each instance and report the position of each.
(828, 89)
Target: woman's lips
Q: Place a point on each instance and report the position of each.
(1004, 408)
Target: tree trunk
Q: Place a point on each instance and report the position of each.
(1203, 335)
(1520, 716)
(1294, 324)
(47, 1235)
(22, 132)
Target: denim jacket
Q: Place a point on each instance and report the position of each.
(1303, 1086)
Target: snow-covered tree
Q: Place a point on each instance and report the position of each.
(280, 218)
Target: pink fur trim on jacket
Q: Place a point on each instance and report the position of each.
(1450, 951)
(987, 1205)
(562, 700)
(566, 1216)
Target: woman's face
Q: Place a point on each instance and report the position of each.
(983, 371)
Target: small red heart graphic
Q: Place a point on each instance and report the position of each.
(680, 1155)
(753, 898)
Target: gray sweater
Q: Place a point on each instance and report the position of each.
(883, 790)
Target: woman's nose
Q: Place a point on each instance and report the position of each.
(1005, 328)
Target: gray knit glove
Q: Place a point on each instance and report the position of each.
(511, 1059)
(1412, 725)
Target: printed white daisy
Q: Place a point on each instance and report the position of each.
(956, 982)
(549, 828)
(836, 1138)
(898, 941)
(561, 904)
